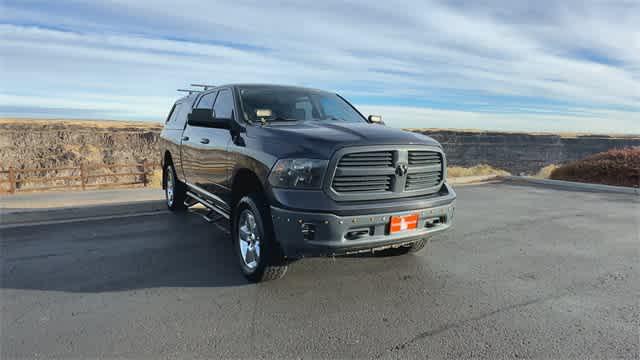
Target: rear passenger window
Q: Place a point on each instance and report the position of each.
(179, 116)
(206, 102)
(224, 105)
(171, 113)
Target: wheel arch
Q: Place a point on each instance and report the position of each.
(245, 181)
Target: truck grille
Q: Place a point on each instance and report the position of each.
(345, 184)
(422, 180)
(367, 159)
(380, 174)
(426, 177)
(424, 158)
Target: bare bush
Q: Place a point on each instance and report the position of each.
(620, 167)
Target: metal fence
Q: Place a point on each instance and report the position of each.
(82, 177)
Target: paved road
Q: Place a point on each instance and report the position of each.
(527, 272)
(27, 202)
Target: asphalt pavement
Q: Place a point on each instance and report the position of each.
(526, 272)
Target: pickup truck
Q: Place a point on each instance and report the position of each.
(301, 172)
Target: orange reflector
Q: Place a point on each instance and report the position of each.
(403, 222)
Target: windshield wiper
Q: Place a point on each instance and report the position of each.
(332, 118)
(276, 119)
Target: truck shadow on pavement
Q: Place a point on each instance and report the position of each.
(119, 254)
(164, 250)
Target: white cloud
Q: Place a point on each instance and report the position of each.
(513, 57)
(587, 121)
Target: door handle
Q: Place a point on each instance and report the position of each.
(204, 141)
(185, 138)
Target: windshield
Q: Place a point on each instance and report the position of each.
(295, 104)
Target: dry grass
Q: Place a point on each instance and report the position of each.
(478, 170)
(562, 134)
(101, 124)
(545, 172)
(619, 167)
(155, 180)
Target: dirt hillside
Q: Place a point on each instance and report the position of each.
(39, 143)
(31, 143)
(35, 144)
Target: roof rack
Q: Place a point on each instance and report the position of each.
(190, 91)
(205, 86)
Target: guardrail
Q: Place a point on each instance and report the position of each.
(84, 176)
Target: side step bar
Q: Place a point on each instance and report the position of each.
(208, 205)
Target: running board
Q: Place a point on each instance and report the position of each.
(211, 216)
(189, 202)
(209, 206)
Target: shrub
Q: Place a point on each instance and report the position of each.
(620, 167)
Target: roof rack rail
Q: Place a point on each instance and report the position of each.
(205, 86)
(190, 91)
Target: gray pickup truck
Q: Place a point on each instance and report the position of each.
(301, 172)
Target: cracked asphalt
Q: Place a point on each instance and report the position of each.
(527, 272)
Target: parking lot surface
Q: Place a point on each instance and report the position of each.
(527, 272)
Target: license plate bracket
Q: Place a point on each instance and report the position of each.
(401, 223)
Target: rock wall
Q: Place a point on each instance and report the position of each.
(57, 143)
(53, 143)
(35, 144)
(521, 153)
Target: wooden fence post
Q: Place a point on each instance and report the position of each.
(82, 177)
(144, 173)
(12, 181)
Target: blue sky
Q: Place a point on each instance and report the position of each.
(498, 65)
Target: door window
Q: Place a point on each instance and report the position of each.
(178, 116)
(181, 116)
(171, 114)
(206, 102)
(224, 105)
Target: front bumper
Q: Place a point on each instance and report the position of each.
(302, 234)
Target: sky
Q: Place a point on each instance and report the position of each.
(570, 65)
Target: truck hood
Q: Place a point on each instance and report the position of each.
(322, 138)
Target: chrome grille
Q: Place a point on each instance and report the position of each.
(422, 180)
(366, 183)
(386, 173)
(428, 170)
(424, 158)
(367, 159)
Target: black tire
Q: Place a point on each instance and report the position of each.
(270, 263)
(175, 191)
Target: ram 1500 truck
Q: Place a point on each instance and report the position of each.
(301, 172)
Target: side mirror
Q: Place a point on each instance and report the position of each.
(376, 119)
(207, 118)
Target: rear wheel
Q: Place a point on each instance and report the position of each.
(258, 253)
(175, 191)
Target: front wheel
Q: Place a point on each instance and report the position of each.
(258, 253)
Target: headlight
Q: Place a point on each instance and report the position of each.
(298, 173)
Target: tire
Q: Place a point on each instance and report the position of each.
(259, 255)
(174, 190)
